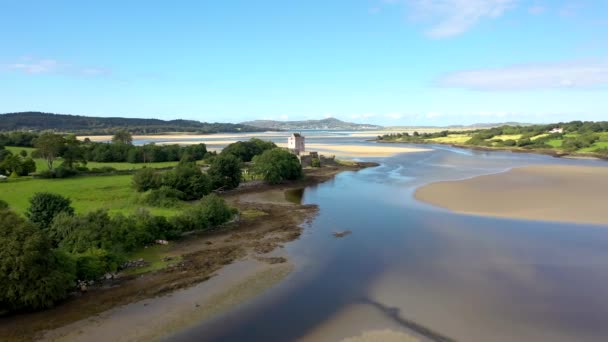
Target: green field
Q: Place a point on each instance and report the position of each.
(504, 137)
(87, 193)
(452, 139)
(41, 163)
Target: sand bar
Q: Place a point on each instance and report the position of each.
(546, 192)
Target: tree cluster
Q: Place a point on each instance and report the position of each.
(42, 256)
(277, 165)
(246, 150)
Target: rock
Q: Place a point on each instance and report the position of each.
(342, 233)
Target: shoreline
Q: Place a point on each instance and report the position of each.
(556, 193)
(265, 225)
(547, 152)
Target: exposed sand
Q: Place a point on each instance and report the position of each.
(362, 151)
(546, 192)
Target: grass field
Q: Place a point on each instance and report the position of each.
(87, 193)
(452, 139)
(41, 163)
(504, 137)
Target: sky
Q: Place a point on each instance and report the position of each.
(388, 62)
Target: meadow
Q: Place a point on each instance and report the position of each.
(112, 192)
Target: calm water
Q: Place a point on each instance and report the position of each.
(464, 277)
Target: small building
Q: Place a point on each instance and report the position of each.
(556, 130)
(295, 143)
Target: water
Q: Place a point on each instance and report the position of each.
(463, 277)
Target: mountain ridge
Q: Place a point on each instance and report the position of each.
(39, 121)
(324, 124)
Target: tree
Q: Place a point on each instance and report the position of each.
(246, 150)
(23, 153)
(146, 179)
(225, 171)
(188, 179)
(72, 152)
(277, 165)
(123, 137)
(32, 274)
(44, 206)
(3, 205)
(49, 146)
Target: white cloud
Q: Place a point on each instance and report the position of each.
(576, 74)
(32, 66)
(29, 66)
(453, 17)
(432, 115)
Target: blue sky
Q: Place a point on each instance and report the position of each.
(392, 62)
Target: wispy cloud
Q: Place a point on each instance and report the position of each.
(575, 74)
(33, 66)
(453, 17)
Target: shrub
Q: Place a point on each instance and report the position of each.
(277, 165)
(3, 205)
(225, 171)
(315, 162)
(146, 179)
(209, 213)
(32, 274)
(164, 196)
(94, 263)
(59, 172)
(188, 179)
(44, 206)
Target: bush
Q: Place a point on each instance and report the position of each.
(103, 169)
(315, 162)
(3, 205)
(225, 172)
(188, 179)
(209, 213)
(59, 172)
(277, 165)
(164, 196)
(32, 274)
(94, 263)
(44, 206)
(146, 179)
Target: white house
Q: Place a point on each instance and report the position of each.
(295, 143)
(556, 130)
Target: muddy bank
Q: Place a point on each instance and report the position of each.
(263, 228)
(546, 192)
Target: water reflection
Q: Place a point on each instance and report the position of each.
(461, 277)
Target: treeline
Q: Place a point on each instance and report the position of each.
(38, 121)
(574, 135)
(42, 256)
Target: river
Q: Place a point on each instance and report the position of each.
(412, 267)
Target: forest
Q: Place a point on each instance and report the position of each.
(38, 121)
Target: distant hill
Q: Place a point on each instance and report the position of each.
(325, 124)
(38, 121)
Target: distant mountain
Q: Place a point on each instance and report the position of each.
(38, 121)
(325, 124)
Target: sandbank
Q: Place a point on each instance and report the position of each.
(154, 318)
(546, 192)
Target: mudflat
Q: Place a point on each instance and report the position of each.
(544, 192)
